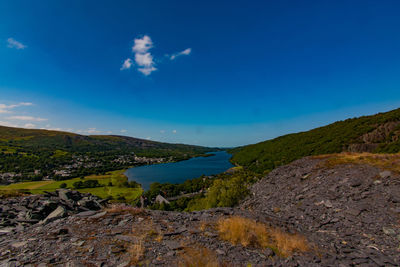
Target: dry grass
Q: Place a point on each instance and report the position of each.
(276, 209)
(124, 209)
(203, 226)
(247, 232)
(383, 161)
(136, 252)
(198, 257)
(147, 230)
(12, 193)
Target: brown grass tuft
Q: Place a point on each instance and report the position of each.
(384, 161)
(13, 193)
(124, 209)
(136, 252)
(287, 244)
(198, 257)
(203, 226)
(247, 232)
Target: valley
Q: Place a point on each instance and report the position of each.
(326, 197)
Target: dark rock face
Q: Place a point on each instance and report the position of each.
(18, 213)
(369, 142)
(349, 213)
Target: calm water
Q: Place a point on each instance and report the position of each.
(181, 171)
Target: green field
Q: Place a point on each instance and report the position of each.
(116, 191)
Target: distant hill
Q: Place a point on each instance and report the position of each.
(377, 133)
(34, 154)
(31, 139)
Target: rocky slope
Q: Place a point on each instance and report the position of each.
(348, 213)
(351, 211)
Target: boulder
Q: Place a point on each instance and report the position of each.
(58, 213)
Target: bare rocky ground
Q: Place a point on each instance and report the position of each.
(350, 214)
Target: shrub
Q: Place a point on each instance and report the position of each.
(86, 184)
(223, 193)
(63, 185)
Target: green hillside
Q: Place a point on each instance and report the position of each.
(376, 133)
(30, 140)
(34, 154)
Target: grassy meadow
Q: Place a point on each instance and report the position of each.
(112, 186)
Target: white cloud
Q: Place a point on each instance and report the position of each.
(148, 137)
(127, 64)
(174, 131)
(29, 125)
(12, 43)
(26, 118)
(123, 131)
(162, 131)
(142, 45)
(147, 70)
(185, 52)
(143, 58)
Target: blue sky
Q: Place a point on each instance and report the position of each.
(216, 73)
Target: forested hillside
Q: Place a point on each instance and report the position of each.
(34, 154)
(376, 133)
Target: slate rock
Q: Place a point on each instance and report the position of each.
(385, 174)
(54, 215)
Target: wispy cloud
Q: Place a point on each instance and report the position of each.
(174, 131)
(8, 124)
(89, 131)
(123, 131)
(143, 58)
(24, 121)
(127, 64)
(26, 118)
(93, 131)
(52, 128)
(7, 108)
(12, 43)
(29, 125)
(185, 52)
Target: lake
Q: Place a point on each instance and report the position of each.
(178, 172)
